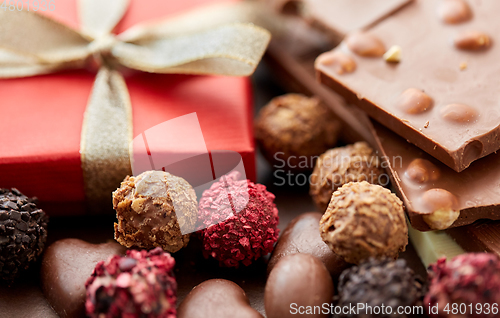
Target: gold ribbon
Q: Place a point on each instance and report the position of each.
(210, 40)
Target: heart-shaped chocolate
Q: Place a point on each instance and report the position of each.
(217, 298)
(66, 266)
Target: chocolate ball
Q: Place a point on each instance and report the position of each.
(152, 209)
(472, 278)
(378, 283)
(140, 284)
(297, 284)
(293, 129)
(239, 221)
(364, 220)
(23, 232)
(338, 166)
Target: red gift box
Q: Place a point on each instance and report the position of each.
(41, 117)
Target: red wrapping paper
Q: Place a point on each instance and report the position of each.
(41, 117)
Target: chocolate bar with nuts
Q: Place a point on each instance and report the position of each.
(472, 194)
(429, 73)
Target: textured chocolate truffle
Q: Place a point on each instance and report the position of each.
(23, 232)
(338, 166)
(472, 278)
(152, 208)
(138, 285)
(379, 283)
(297, 284)
(295, 128)
(364, 220)
(239, 231)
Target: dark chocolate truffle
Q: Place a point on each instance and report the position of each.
(242, 231)
(467, 279)
(23, 232)
(140, 284)
(152, 209)
(364, 220)
(293, 129)
(380, 284)
(298, 285)
(338, 166)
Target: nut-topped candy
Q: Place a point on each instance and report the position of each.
(292, 129)
(364, 220)
(342, 165)
(155, 209)
(23, 232)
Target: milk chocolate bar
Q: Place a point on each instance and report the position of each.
(476, 190)
(429, 72)
(426, 185)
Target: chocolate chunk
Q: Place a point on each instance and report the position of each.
(302, 236)
(216, 298)
(429, 187)
(430, 69)
(297, 282)
(66, 266)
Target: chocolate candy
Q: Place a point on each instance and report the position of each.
(293, 129)
(216, 298)
(364, 220)
(338, 166)
(435, 196)
(66, 266)
(468, 280)
(302, 236)
(155, 209)
(297, 284)
(23, 232)
(431, 97)
(378, 283)
(139, 284)
(239, 231)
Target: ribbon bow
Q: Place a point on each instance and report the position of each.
(200, 42)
